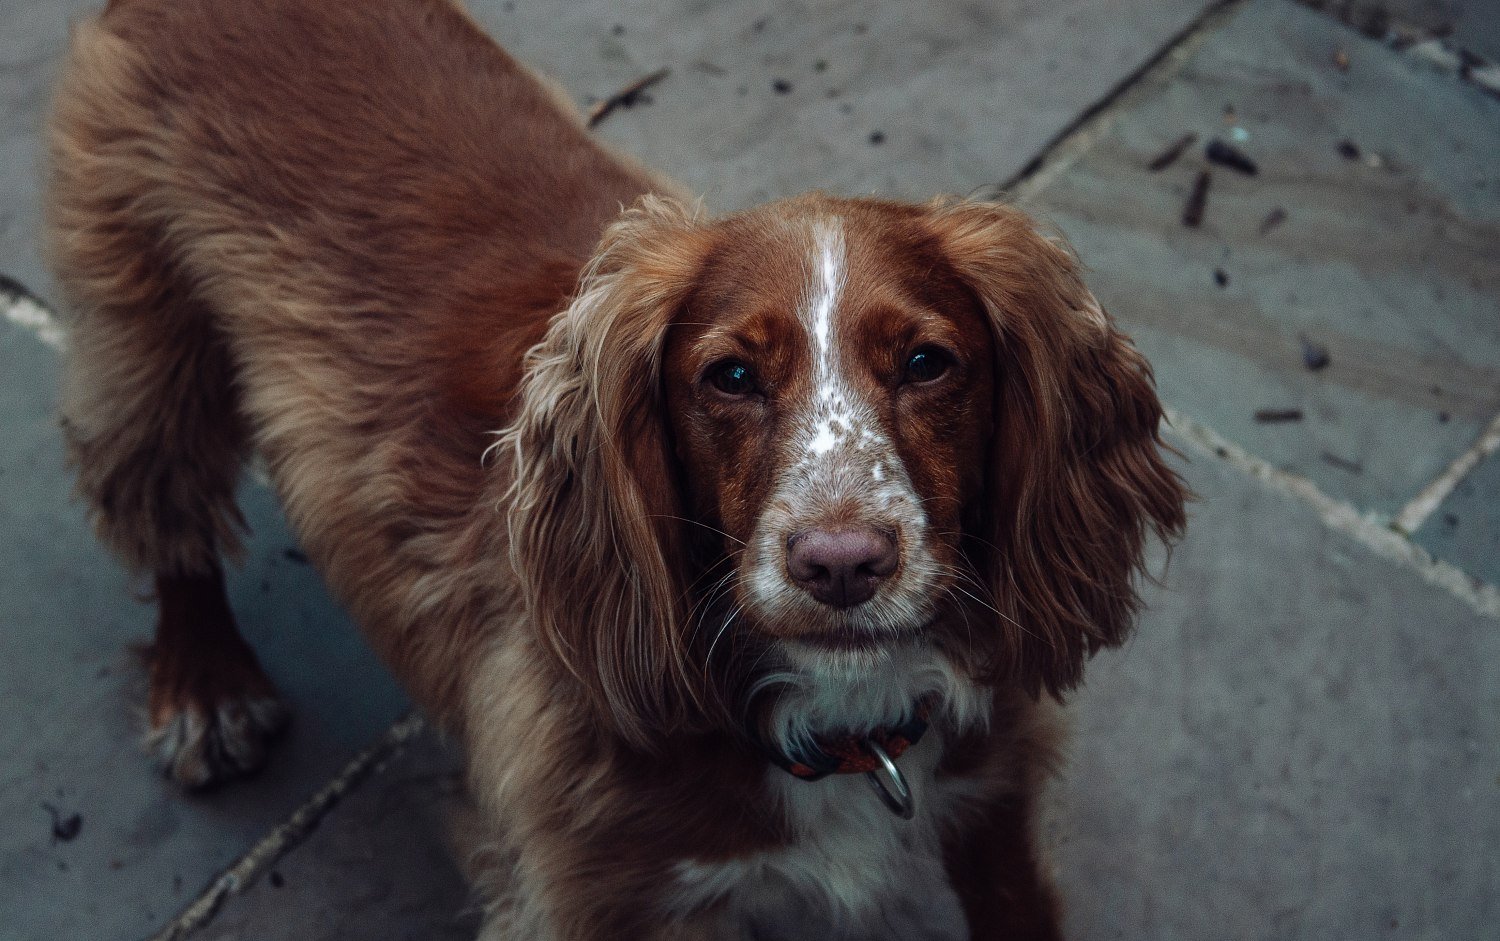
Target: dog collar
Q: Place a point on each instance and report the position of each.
(872, 754)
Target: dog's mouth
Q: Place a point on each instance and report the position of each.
(845, 640)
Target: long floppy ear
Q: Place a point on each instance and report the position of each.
(594, 501)
(1077, 476)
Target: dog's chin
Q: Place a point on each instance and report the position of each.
(848, 651)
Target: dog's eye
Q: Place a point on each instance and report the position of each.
(927, 363)
(732, 378)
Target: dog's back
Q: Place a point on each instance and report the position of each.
(327, 231)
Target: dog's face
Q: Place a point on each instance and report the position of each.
(830, 387)
(835, 429)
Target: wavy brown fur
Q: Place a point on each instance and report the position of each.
(331, 231)
(1078, 474)
(594, 491)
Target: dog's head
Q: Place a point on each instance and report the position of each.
(821, 435)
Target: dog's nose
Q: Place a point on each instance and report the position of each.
(841, 567)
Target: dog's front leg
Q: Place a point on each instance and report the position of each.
(996, 869)
(212, 708)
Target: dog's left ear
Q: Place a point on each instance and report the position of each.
(1076, 474)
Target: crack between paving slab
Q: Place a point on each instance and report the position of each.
(1422, 506)
(242, 874)
(1414, 41)
(1080, 135)
(25, 309)
(1389, 540)
(1366, 529)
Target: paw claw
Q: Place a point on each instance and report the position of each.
(200, 747)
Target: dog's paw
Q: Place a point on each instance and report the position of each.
(200, 744)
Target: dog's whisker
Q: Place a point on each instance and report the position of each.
(724, 628)
(706, 604)
(684, 519)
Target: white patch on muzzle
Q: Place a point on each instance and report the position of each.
(841, 463)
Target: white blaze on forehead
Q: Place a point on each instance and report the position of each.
(829, 238)
(833, 415)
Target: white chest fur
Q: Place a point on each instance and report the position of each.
(854, 872)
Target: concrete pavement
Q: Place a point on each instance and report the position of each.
(1299, 744)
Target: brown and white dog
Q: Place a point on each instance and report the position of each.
(773, 493)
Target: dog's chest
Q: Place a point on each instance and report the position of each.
(855, 871)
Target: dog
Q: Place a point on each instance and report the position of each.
(747, 556)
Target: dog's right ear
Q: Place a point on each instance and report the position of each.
(593, 508)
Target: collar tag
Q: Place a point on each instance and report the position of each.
(896, 796)
(872, 755)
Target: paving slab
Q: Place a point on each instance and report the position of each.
(1465, 528)
(1298, 743)
(1477, 28)
(771, 99)
(33, 36)
(1470, 24)
(1281, 655)
(380, 866)
(72, 688)
(1386, 258)
(1295, 745)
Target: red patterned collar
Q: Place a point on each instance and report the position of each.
(851, 753)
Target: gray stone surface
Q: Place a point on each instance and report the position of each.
(1465, 528)
(1392, 267)
(1476, 27)
(380, 867)
(965, 93)
(1298, 743)
(72, 688)
(32, 38)
(1470, 24)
